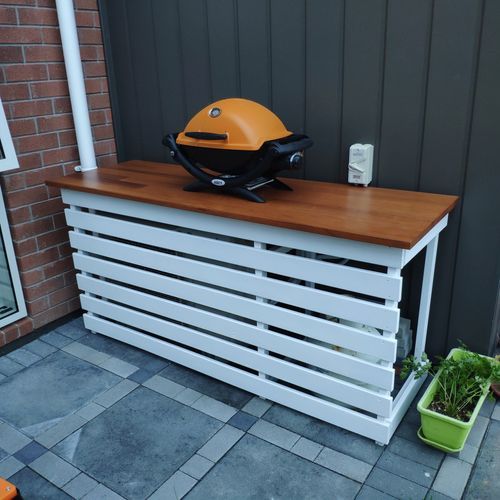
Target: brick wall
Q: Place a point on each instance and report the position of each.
(35, 97)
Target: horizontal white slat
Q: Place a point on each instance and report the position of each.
(368, 313)
(338, 389)
(302, 324)
(348, 278)
(315, 355)
(321, 409)
(364, 252)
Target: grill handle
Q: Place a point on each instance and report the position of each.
(206, 136)
(292, 147)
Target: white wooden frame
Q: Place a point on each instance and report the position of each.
(9, 161)
(251, 304)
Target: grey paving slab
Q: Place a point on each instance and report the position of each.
(8, 366)
(115, 393)
(9, 467)
(274, 434)
(174, 488)
(452, 477)
(207, 385)
(257, 406)
(408, 430)
(140, 375)
(90, 411)
(2, 376)
(11, 440)
(80, 486)
(118, 366)
(62, 429)
(221, 443)
(54, 469)
(328, 435)
(125, 352)
(242, 420)
(30, 452)
(102, 493)
(418, 473)
(188, 396)
(163, 386)
(496, 413)
(484, 481)
(369, 493)
(394, 485)
(214, 408)
(73, 329)
(245, 472)
(86, 353)
(197, 466)
(344, 464)
(467, 454)
(42, 394)
(40, 348)
(35, 487)
(488, 407)
(477, 432)
(3, 454)
(144, 436)
(24, 357)
(417, 452)
(56, 339)
(435, 495)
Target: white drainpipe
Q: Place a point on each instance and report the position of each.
(76, 83)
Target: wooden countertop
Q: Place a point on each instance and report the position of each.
(387, 217)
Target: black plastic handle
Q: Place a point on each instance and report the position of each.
(206, 136)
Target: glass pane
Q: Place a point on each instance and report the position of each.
(8, 304)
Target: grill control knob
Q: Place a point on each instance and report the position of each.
(296, 160)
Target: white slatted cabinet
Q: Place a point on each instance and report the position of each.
(256, 306)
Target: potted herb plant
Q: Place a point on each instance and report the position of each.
(451, 403)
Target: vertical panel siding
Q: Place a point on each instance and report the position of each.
(400, 74)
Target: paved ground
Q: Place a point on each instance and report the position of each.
(84, 416)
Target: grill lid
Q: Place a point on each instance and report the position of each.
(237, 124)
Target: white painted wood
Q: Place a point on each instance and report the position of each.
(310, 326)
(354, 250)
(368, 313)
(425, 296)
(318, 382)
(310, 269)
(261, 326)
(324, 410)
(409, 254)
(307, 352)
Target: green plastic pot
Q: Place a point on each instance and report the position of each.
(443, 432)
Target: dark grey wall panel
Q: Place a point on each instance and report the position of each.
(416, 78)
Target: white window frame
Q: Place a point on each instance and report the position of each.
(8, 163)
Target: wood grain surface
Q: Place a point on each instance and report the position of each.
(387, 217)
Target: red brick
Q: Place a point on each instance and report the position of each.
(37, 306)
(103, 132)
(50, 315)
(19, 2)
(86, 4)
(8, 15)
(54, 192)
(58, 267)
(52, 239)
(35, 142)
(107, 160)
(18, 34)
(11, 54)
(26, 197)
(51, 36)
(84, 18)
(47, 3)
(25, 326)
(43, 288)
(10, 333)
(48, 207)
(65, 250)
(31, 277)
(105, 147)
(26, 247)
(57, 71)
(60, 155)
(59, 221)
(25, 72)
(19, 215)
(31, 108)
(98, 101)
(14, 181)
(97, 117)
(50, 89)
(43, 53)
(93, 69)
(93, 85)
(90, 36)
(74, 304)
(66, 138)
(38, 16)
(70, 277)
(41, 175)
(22, 127)
(14, 91)
(109, 115)
(30, 160)
(62, 105)
(55, 122)
(38, 259)
(89, 53)
(30, 229)
(63, 294)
